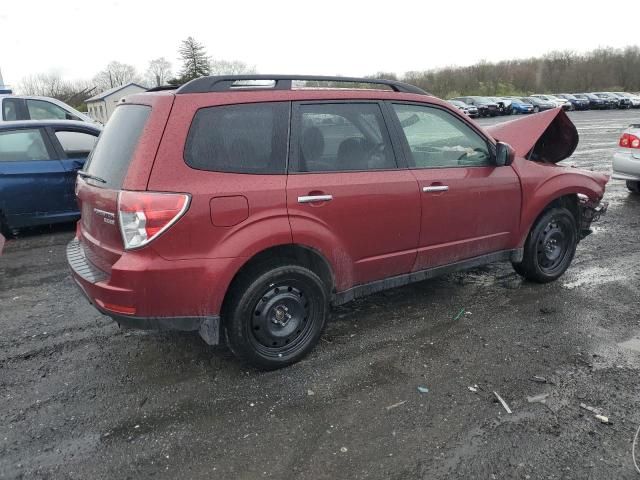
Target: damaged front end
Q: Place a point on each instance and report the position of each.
(590, 211)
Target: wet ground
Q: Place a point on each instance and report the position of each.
(81, 399)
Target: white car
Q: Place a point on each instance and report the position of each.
(560, 102)
(635, 99)
(22, 107)
(626, 159)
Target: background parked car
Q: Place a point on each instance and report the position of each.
(611, 100)
(520, 106)
(539, 104)
(626, 159)
(18, 107)
(39, 161)
(577, 103)
(470, 110)
(595, 102)
(635, 99)
(485, 106)
(558, 102)
(623, 102)
(504, 105)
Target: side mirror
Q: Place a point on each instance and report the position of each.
(504, 154)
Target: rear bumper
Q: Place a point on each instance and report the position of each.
(626, 166)
(151, 293)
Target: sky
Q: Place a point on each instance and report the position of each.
(77, 38)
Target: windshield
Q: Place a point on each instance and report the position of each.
(482, 99)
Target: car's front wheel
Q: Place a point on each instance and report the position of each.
(550, 246)
(536, 109)
(633, 186)
(275, 318)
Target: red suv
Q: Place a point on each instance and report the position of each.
(245, 206)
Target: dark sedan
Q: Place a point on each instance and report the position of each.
(485, 107)
(577, 103)
(595, 102)
(539, 105)
(469, 110)
(39, 161)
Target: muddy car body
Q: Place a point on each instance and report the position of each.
(244, 211)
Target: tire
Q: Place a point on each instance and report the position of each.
(550, 246)
(276, 316)
(633, 186)
(536, 109)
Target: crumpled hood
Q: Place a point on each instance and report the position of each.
(542, 137)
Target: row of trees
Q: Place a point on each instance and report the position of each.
(605, 69)
(195, 63)
(559, 71)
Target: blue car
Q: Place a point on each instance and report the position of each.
(39, 161)
(518, 106)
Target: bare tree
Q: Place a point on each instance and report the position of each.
(52, 85)
(233, 67)
(159, 72)
(114, 75)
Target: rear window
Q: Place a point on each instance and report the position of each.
(112, 154)
(247, 138)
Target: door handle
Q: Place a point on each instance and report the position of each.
(314, 198)
(436, 188)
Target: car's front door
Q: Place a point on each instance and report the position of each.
(73, 146)
(32, 179)
(346, 196)
(470, 207)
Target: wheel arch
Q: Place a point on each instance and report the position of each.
(277, 255)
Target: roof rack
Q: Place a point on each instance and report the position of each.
(282, 82)
(162, 88)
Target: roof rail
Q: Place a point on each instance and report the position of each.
(161, 88)
(282, 82)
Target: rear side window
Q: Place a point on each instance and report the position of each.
(112, 154)
(22, 146)
(10, 109)
(76, 144)
(247, 138)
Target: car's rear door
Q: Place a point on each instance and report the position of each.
(470, 207)
(73, 145)
(346, 196)
(32, 178)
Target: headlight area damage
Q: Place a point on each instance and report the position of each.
(548, 138)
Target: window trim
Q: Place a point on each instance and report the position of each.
(294, 136)
(287, 133)
(51, 150)
(407, 149)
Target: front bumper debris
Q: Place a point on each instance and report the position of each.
(590, 211)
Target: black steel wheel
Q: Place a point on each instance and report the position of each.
(277, 317)
(550, 246)
(634, 187)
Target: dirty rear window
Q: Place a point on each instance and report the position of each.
(112, 154)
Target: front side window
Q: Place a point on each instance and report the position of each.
(438, 139)
(246, 138)
(22, 145)
(43, 110)
(343, 137)
(76, 144)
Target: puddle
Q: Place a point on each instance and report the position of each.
(594, 276)
(633, 344)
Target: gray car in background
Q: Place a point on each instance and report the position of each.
(22, 107)
(626, 159)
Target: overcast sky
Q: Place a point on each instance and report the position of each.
(77, 38)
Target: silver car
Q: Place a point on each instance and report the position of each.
(626, 159)
(23, 107)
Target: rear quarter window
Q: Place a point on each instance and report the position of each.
(116, 145)
(247, 138)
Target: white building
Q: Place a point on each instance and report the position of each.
(101, 106)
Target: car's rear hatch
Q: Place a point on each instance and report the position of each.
(121, 160)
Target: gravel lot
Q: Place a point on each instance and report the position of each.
(81, 399)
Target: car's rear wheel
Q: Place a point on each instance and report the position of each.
(276, 318)
(536, 109)
(550, 246)
(633, 186)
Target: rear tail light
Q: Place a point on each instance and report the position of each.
(143, 216)
(629, 141)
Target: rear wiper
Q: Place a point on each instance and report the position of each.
(84, 174)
